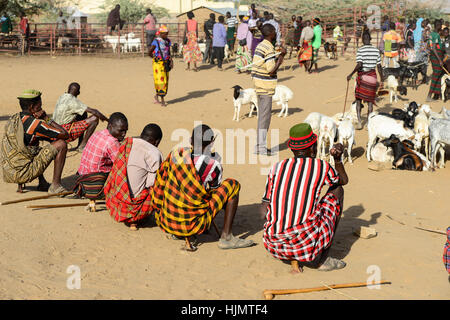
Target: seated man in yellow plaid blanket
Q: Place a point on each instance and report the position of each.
(189, 192)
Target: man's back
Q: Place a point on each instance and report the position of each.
(391, 40)
(67, 108)
(143, 163)
(293, 189)
(219, 35)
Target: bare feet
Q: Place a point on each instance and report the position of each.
(20, 188)
(156, 100)
(296, 269)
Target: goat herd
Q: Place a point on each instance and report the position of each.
(397, 137)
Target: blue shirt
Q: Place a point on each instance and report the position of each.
(219, 35)
(164, 45)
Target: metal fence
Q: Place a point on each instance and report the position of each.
(94, 38)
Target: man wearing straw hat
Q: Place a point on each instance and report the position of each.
(299, 226)
(22, 158)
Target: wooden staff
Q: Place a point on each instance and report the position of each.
(269, 294)
(37, 198)
(62, 205)
(346, 95)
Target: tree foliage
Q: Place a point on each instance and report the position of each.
(131, 11)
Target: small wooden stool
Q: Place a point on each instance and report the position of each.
(295, 267)
(91, 206)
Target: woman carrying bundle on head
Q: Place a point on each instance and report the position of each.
(191, 50)
(243, 56)
(162, 63)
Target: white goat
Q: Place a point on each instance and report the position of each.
(282, 95)
(114, 41)
(132, 43)
(444, 85)
(394, 88)
(326, 137)
(313, 119)
(346, 136)
(421, 124)
(439, 137)
(381, 153)
(242, 97)
(380, 126)
(352, 114)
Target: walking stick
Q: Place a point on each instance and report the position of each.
(345, 101)
(269, 294)
(37, 198)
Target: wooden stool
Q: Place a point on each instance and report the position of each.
(91, 206)
(295, 267)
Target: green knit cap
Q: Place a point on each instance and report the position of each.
(301, 136)
(29, 94)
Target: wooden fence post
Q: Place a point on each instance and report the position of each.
(118, 44)
(144, 44)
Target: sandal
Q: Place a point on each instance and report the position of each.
(56, 190)
(235, 243)
(332, 264)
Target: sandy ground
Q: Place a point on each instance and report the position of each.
(37, 247)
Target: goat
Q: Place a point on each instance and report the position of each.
(352, 114)
(346, 136)
(439, 137)
(382, 127)
(404, 157)
(132, 43)
(115, 41)
(394, 88)
(381, 153)
(241, 97)
(282, 95)
(421, 125)
(330, 48)
(445, 87)
(313, 119)
(327, 136)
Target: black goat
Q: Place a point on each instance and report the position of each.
(404, 157)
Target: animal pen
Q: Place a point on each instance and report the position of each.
(93, 39)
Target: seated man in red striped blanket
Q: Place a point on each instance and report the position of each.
(127, 189)
(189, 192)
(71, 114)
(98, 157)
(299, 226)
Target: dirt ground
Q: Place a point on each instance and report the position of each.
(37, 247)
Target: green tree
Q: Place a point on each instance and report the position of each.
(131, 11)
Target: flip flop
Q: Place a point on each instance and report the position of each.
(55, 190)
(332, 264)
(235, 243)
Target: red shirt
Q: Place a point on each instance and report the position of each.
(99, 153)
(23, 25)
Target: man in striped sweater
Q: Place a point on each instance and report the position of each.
(299, 226)
(264, 74)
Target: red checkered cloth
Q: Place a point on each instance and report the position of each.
(121, 206)
(306, 241)
(99, 153)
(75, 129)
(446, 256)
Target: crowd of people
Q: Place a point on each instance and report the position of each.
(186, 190)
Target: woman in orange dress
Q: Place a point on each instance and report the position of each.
(191, 50)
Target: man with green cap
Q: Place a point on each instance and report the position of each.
(23, 160)
(299, 226)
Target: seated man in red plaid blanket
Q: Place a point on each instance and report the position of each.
(299, 227)
(127, 189)
(71, 114)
